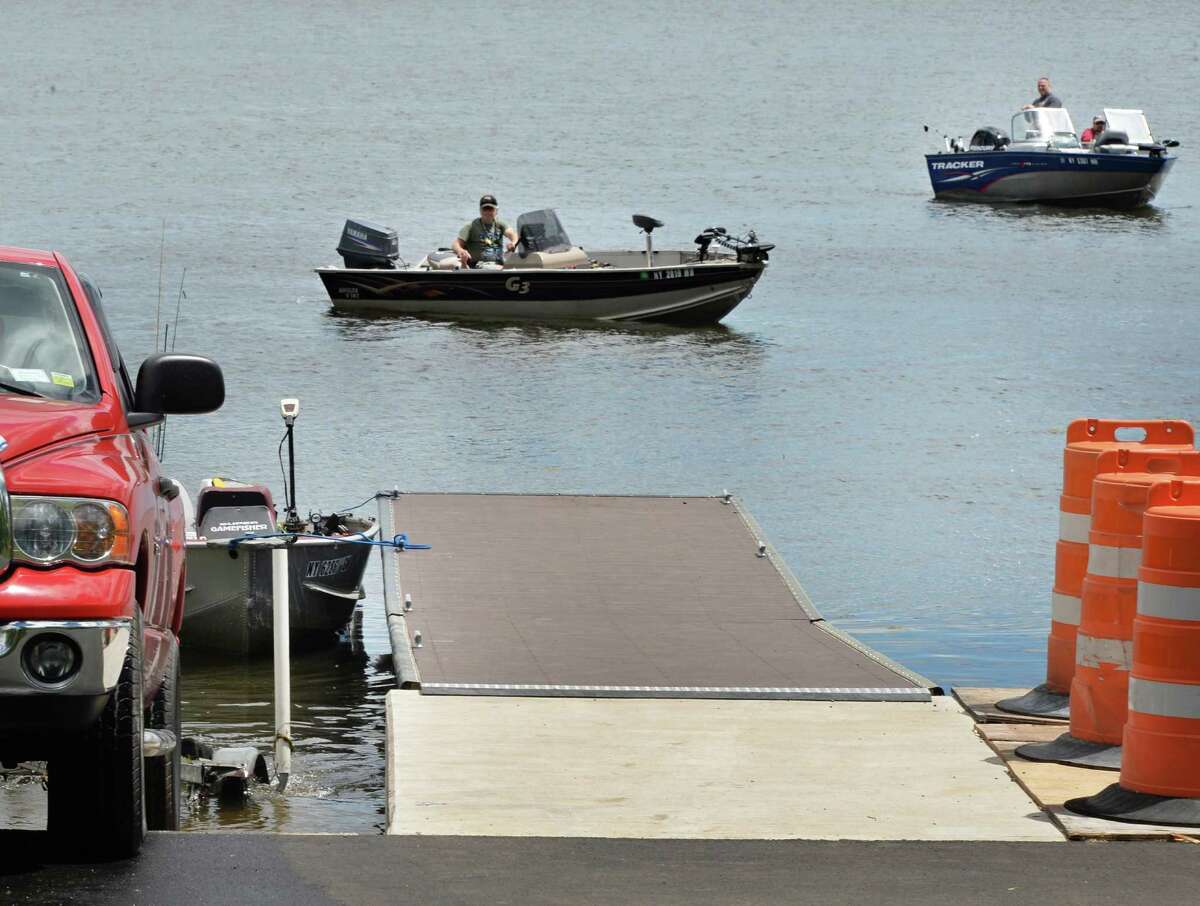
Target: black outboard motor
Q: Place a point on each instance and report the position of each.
(989, 138)
(368, 245)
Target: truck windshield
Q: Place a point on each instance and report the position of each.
(42, 347)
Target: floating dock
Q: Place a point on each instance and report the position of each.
(626, 597)
(649, 667)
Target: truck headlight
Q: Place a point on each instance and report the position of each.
(42, 529)
(5, 519)
(50, 530)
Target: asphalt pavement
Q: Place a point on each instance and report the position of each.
(261, 869)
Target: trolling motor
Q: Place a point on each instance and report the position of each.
(747, 248)
(647, 226)
(289, 409)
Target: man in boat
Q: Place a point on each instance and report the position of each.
(483, 239)
(1090, 135)
(1045, 97)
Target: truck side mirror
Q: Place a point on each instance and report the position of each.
(176, 384)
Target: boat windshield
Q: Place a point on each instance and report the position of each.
(1131, 122)
(42, 349)
(1049, 125)
(541, 231)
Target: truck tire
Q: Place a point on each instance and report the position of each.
(163, 773)
(96, 799)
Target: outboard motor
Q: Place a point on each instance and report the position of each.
(230, 509)
(367, 245)
(989, 138)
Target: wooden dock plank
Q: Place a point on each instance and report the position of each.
(1050, 785)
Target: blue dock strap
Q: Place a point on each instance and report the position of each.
(399, 542)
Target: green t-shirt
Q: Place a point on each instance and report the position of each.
(483, 242)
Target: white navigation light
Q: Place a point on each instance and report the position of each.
(289, 409)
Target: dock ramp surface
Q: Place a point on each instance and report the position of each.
(612, 597)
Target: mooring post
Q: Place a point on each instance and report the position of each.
(283, 665)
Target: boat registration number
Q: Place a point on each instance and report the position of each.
(671, 273)
(321, 569)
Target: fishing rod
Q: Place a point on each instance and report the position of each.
(952, 144)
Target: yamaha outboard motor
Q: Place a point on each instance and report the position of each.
(989, 138)
(368, 245)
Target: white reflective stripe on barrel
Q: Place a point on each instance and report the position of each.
(1169, 602)
(1164, 699)
(1073, 527)
(1065, 608)
(1091, 652)
(1114, 562)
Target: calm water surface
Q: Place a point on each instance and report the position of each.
(890, 402)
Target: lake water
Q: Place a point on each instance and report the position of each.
(890, 402)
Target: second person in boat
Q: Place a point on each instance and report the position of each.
(483, 241)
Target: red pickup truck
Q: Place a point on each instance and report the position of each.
(91, 557)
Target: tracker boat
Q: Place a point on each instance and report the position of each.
(547, 277)
(1044, 161)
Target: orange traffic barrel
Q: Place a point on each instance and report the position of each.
(1160, 770)
(1087, 439)
(1104, 645)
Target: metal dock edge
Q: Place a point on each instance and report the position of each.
(404, 666)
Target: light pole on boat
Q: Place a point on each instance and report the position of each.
(281, 616)
(290, 409)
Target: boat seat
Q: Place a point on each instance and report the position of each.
(642, 222)
(572, 257)
(1114, 141)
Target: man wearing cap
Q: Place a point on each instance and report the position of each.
(1090, 135)
(1045, 97)
(482, 240)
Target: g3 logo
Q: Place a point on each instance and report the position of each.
(516, 285)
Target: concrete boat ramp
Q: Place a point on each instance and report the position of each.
(648, 667)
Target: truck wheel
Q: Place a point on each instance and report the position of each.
(162, 773)
(96, 793)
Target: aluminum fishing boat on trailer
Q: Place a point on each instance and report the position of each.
(549, 278)
(1044, 161)
(229, 605)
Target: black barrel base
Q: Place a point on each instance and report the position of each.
(1115, 803)
(1072, 750)
(1039, 702)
